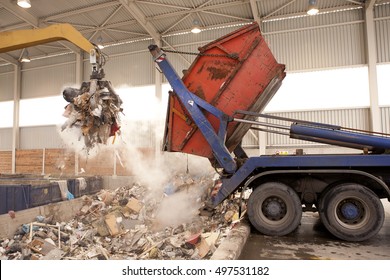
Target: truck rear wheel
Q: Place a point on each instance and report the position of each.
(351, 212)
(274, 209)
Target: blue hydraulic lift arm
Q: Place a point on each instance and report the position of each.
(193, 105)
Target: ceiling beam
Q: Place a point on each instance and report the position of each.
(278, 9)
(369, 4)
(163, 5)
(201, 8)
(23, 25)
(189, 13)
(133, 9)
(355, 2)
(228, 16)
(82, 10)
(328, 10)
(255, 11)
(9, 59)
(176, 23)
(33, 21)
(96, 31)
(11, 7)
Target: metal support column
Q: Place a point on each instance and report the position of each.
(15, 128)
(370, 41)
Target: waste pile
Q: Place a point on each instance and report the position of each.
(94, 108)
(126, 223)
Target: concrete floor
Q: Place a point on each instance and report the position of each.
(312, 241)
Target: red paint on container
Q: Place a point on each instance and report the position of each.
(246, 83)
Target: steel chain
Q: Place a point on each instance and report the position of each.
(230, 55)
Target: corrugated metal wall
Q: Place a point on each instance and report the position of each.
(47, 80)
(134, 69)
(5, 139)
(324, 41)
(385, 113)
(382, 30)
(352, 118)
(6, 86)
(39, 137)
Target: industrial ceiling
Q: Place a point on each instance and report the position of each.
(119, 21)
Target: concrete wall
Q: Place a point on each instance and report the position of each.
(61, 211)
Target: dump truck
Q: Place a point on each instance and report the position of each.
(222, 95)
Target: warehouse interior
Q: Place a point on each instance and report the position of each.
(337, 63)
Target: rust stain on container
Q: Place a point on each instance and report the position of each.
(218, 73)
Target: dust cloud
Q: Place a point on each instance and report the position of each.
(142, 126)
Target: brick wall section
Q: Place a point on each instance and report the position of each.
(59, 161)
(5, 162)
(62, 162)
(100, 164)
(29, 161)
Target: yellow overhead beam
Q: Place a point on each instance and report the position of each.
(19, 39)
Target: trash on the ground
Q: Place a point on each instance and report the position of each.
(126, 224)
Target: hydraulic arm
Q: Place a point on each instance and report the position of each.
(18, 39)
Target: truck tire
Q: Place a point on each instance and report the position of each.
(274, 209)
(351, 212)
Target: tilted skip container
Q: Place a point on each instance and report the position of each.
(235, 72)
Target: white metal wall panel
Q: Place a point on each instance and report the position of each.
(336, 46)
(385, 114)
(251, 139)
(382, 32)
(5, 139)
(7, 86)
(136, 69)
(382, 10)
(38, 137)
(5, 68)
(47, 81)
(352, 118)
(49, 61)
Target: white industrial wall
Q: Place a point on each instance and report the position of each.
(5, 139)
(382, 31)
(330, 40)
(7, 86)
(325, 41)
(349, 117)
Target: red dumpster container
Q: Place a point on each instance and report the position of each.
(230, 84)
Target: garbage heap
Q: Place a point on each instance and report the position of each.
(123, 224)
(94, 108)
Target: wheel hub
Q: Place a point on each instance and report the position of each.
(274, 208)
(350, 212)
